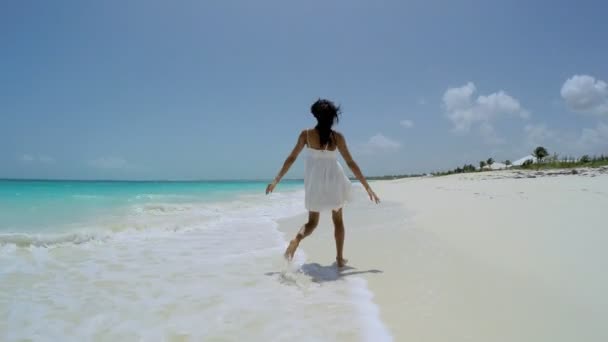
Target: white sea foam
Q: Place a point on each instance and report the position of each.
(172, 271)
(47, 240)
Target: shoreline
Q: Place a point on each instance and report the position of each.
(490, 256)
(201, 271)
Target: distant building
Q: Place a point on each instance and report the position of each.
(521, 161)
(499, 166)
(495, 166)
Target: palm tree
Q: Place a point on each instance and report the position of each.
(482, 164)
(468, 168)
(490, 161)
(507, 162)
(540, 153)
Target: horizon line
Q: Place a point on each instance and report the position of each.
(141, 180)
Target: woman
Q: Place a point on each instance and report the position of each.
(326, 186)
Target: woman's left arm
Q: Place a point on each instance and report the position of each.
(288, 162)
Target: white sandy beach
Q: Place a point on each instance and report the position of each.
(492, 256)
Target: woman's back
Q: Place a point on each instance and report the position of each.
(313, 140)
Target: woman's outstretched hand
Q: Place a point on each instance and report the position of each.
(372, 195)
(270, 187)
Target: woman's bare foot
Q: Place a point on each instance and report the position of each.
(341, 262)
(291, 249)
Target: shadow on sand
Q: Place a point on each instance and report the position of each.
(321, 274)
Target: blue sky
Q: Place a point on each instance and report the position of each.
(221, 89)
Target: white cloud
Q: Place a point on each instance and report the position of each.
(407, 123)
(379, 142)
(46, 159)
(422, 101)
(593, 139)
(28, 158)
(109, 163)
(585, 94)
(589, 141)
(488, 133)
(465, 111)
(538, 134)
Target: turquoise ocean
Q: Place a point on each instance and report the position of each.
(165, 261)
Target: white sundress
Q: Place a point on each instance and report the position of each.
(326, 186)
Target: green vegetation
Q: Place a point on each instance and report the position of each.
(544, 162)
(568, 163)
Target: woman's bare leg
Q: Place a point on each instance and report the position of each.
(336, 216)
(307, 229)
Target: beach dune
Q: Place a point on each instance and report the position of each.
(492, 256)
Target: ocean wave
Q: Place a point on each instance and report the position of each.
(162, 208)
(41, 240)
(159, 218)
(163, 196)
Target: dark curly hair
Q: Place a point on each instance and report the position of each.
(327, 114)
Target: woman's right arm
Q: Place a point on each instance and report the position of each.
(288, 162)
(343, 148)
